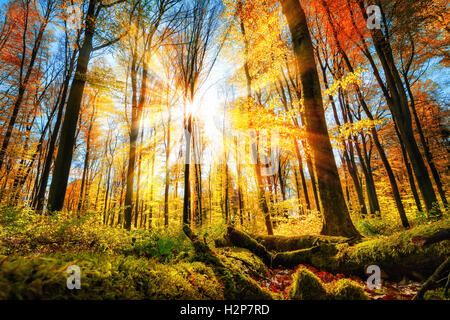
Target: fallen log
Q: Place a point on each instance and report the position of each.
(438, 236)
(292, 259)
(283, 243)
(243, 240)
(236, 285)
(394, 254)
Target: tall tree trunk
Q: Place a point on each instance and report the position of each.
(336, 218)
(409, 172)
(152, 180)
(136, 114)
(302, 175)
(138, 187)
(262, 201)
(38, 201)
(239, 182)
(86, 160)
(167, 180)
(187, 186)
(105, 205)
(426, 148)
(67, 140)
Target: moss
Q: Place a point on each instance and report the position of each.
(306, 286)
(240, 287)
(291, 259)
(395, 254)
(247, 262)
(437, 294)
(346, 289)
(243, 240)
(236, 285)
(283, 243)
(106, 277)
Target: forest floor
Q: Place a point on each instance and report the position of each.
(35, 252)
(280, 280)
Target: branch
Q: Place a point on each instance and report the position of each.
(108, 43)
(112, 4)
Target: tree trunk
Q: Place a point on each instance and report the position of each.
(38, 201)
(262, 201)
(67, 140)
(336, 218)
(187, 187)
(409, 171)
(426, 148)
(86, 160)
(398, 104)
(395, 255)
(136, 115)
(167, 180)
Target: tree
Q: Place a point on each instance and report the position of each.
(33, 30)
(336, 218)
(398, 103)
(195, 40)
(67, 139)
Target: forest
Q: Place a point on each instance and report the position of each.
(224, 150)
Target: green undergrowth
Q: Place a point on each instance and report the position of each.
(105, 276)
(23, 232)
(35, 252)
(346, 289)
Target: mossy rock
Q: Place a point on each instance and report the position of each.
(307, 286)
(346, 289)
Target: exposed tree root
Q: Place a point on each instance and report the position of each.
(237, 286)
(432, 281)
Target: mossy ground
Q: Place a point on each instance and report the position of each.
(35, 252)
(105, 276)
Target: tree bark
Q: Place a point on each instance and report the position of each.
(336, 218)
(398, 104)
(38, 201)
(67, 140)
